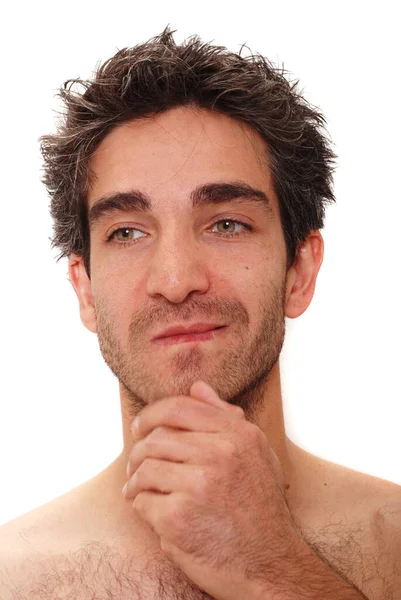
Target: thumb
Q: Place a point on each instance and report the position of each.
(204, 392)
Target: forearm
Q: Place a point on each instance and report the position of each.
(306, 576)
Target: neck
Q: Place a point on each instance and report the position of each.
(106, 486)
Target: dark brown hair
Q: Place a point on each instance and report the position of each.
(158, 75)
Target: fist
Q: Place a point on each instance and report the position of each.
(208, 483)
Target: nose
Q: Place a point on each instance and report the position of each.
(178, 267)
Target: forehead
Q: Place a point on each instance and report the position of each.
(169, 154)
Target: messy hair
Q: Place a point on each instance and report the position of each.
(158, 75)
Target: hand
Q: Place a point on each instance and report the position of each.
(211, 487)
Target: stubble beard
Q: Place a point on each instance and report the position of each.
(239, 375)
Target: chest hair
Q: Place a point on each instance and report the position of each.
(97, 571)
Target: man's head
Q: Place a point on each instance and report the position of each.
(174, 132)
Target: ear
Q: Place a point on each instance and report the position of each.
(301, 277)
(83, 289)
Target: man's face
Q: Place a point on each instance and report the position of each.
(180, 264)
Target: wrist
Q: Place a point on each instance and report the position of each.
(303, 574)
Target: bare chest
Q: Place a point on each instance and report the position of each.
(99, 571)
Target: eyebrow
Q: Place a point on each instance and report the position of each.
(203, 195)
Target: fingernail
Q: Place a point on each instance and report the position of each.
(124, 489)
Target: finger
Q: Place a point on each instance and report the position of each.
(154, 508)
(182, 412)
(159, 444)
(164, 477)
(203, 391)
(177, 445)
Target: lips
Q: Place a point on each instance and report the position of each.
(187, 329)
(191, 338)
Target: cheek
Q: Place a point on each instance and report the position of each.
(113, 296)
(256, 286)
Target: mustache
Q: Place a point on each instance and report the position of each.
(221, 311)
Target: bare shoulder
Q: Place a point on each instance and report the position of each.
(19, 555)
(385, 529)
(378, 518)
(376, 504)
(91, 569)
(364, 496)
(61, 550)
(39, 546)
(353, 521)
(14, 560)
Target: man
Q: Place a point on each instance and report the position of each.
(188, 188)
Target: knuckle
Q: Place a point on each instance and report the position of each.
(156, 434)
(147, 463)
(174, 514)
(259, 438)
(137, 479)
(137, 451)
(251, 435)
(228, 452)
(142, 470)
(239, 411)
(230, 458)
(178, 406)
(221, 455)
(254, 432)
(152, 441)
(149, 445)
(203, 484)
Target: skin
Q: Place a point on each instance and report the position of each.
(183, 271)
(180, 270)
(190, 454)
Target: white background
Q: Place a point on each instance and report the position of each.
(59, 410)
